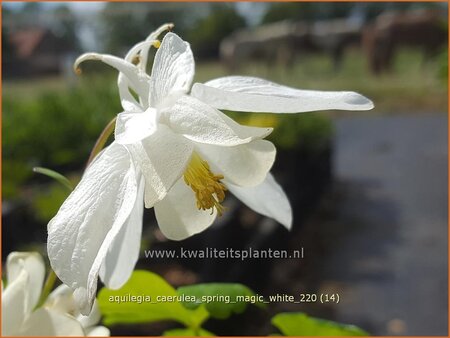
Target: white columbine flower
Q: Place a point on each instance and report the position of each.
(25, 277)
(176, 151)
(61, 299)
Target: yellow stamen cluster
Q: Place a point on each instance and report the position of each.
(208, 189)
(157, 44)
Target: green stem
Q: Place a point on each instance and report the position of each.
(48, 287)
(101, 141)
(55, 175)
(195, 327)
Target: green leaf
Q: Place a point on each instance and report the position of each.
(140, 301)
(300, 324)
(188, 333)
(220, 299)
(56, 176)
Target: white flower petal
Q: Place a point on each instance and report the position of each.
(162, 157)
(15, 304)
(199, 122)
(243, 165)
(123, 254)
(241, 93)
(92, 319)
(88, 221)
(143, 53)
(161, 29)
(142, 48)
(129, 103)
(268, 199)
(138, 79)
(44, 322)
(33, 264)
(173, 70)
(61, 299)
(133, 127)
(152, 37)
(178, 216)
(139, 48)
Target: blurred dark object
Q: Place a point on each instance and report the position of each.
(19, 227)
(336, 35)
(283, 42)
(318, 11)
(423, 29)
(275, 43)
(308, 11)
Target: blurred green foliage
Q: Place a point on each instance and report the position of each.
(47, 201)
(311, 131)
(218, 308)
(300, 324)
(443, 66)
(148, 298)
(117, 306)
(51, 196)
(55, 129)
(188, 333)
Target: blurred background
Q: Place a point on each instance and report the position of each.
(368, 189)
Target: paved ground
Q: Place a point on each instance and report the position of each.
(388, 253)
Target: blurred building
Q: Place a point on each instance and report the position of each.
(35, 52)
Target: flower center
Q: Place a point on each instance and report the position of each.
(208, 188)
